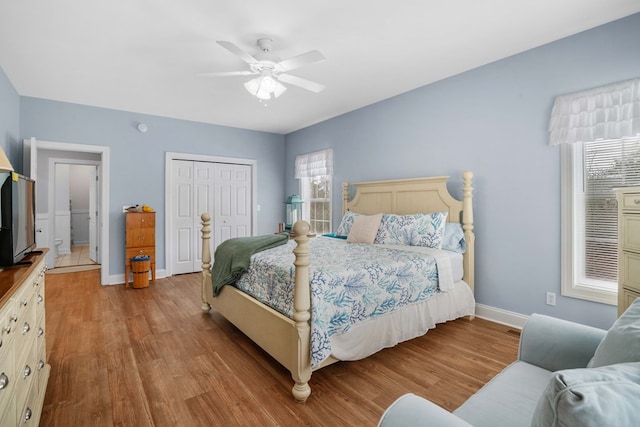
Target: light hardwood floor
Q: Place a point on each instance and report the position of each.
(150, 357)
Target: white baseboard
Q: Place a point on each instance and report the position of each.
(118, 279)
(501, 316)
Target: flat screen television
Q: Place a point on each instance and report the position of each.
(17, 217)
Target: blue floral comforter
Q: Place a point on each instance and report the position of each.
(349, 283)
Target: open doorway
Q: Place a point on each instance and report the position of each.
(37, 160)
(75, 212)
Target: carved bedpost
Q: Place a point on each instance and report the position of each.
(301, 313)
(467, 227)
(207, 286)
(345, 197)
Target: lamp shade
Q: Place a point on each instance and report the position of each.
(5, 164)
(265, 86)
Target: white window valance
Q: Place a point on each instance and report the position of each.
(606, 112)
(318, 163)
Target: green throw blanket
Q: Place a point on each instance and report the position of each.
(231, 259)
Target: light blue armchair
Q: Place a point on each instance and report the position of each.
(566, 374)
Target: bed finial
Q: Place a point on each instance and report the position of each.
(345, 196)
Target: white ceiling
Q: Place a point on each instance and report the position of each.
(146, 56)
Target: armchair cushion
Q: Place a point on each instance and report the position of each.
(622, 342)
(554, 344)
(608, 395)
(411, 410)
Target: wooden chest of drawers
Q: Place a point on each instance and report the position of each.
(628, 246)
(140, 240)
(24, 371)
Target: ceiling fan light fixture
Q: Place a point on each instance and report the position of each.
(264, 87)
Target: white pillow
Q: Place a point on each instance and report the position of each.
(364, 229)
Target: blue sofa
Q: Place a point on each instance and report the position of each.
(566, 374)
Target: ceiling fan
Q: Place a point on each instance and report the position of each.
(271, 70)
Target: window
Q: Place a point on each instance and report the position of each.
(314, 170)
(591, 170)
(316, 194)
(599, 133)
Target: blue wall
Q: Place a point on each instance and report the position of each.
(493, 121)
(10, 122)
(137, 173)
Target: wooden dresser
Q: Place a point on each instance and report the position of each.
(140, 240)
(628, 246)
(24, 371)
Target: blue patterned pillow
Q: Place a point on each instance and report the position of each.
(412, 230)
(347, 222)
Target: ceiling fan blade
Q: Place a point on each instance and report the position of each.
(300, 60)
(228, 73)
(299, 81)
(237, 51)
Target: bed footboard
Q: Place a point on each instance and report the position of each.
(286, 340)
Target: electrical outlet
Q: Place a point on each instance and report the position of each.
(551, 298)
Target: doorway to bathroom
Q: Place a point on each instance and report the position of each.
(40, 160)
(74, 202)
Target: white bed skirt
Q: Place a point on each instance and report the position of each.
(371, 336)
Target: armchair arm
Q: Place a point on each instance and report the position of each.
(410, 410)
(555, 344)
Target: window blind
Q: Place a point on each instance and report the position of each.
(608, 164)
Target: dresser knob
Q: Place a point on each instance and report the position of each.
(40, 365)
(40, 332)
(27, 371)
(27, 414)
(40, 299)
(25, 302)
(26, 328)
(4, 381)
(14, 318)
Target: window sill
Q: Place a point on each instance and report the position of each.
(588, 293)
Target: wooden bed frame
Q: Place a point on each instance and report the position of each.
(288, 340)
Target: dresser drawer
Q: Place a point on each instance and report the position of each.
(26, 372)
(631, 201)
(8, 413)
(7, 379)
(151, 252)
(630, 270)
(630, 239)
(26, 324)
(626, 297)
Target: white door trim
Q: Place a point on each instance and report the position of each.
(169, 158)
(53, 161)
(31, 148)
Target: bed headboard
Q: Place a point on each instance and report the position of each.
(417, 195)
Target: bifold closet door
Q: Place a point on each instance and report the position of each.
(232, 206)
(224, 190)
(192, 195)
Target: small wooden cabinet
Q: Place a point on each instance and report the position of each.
(140, 240)
(24, 371)
(628, 246)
